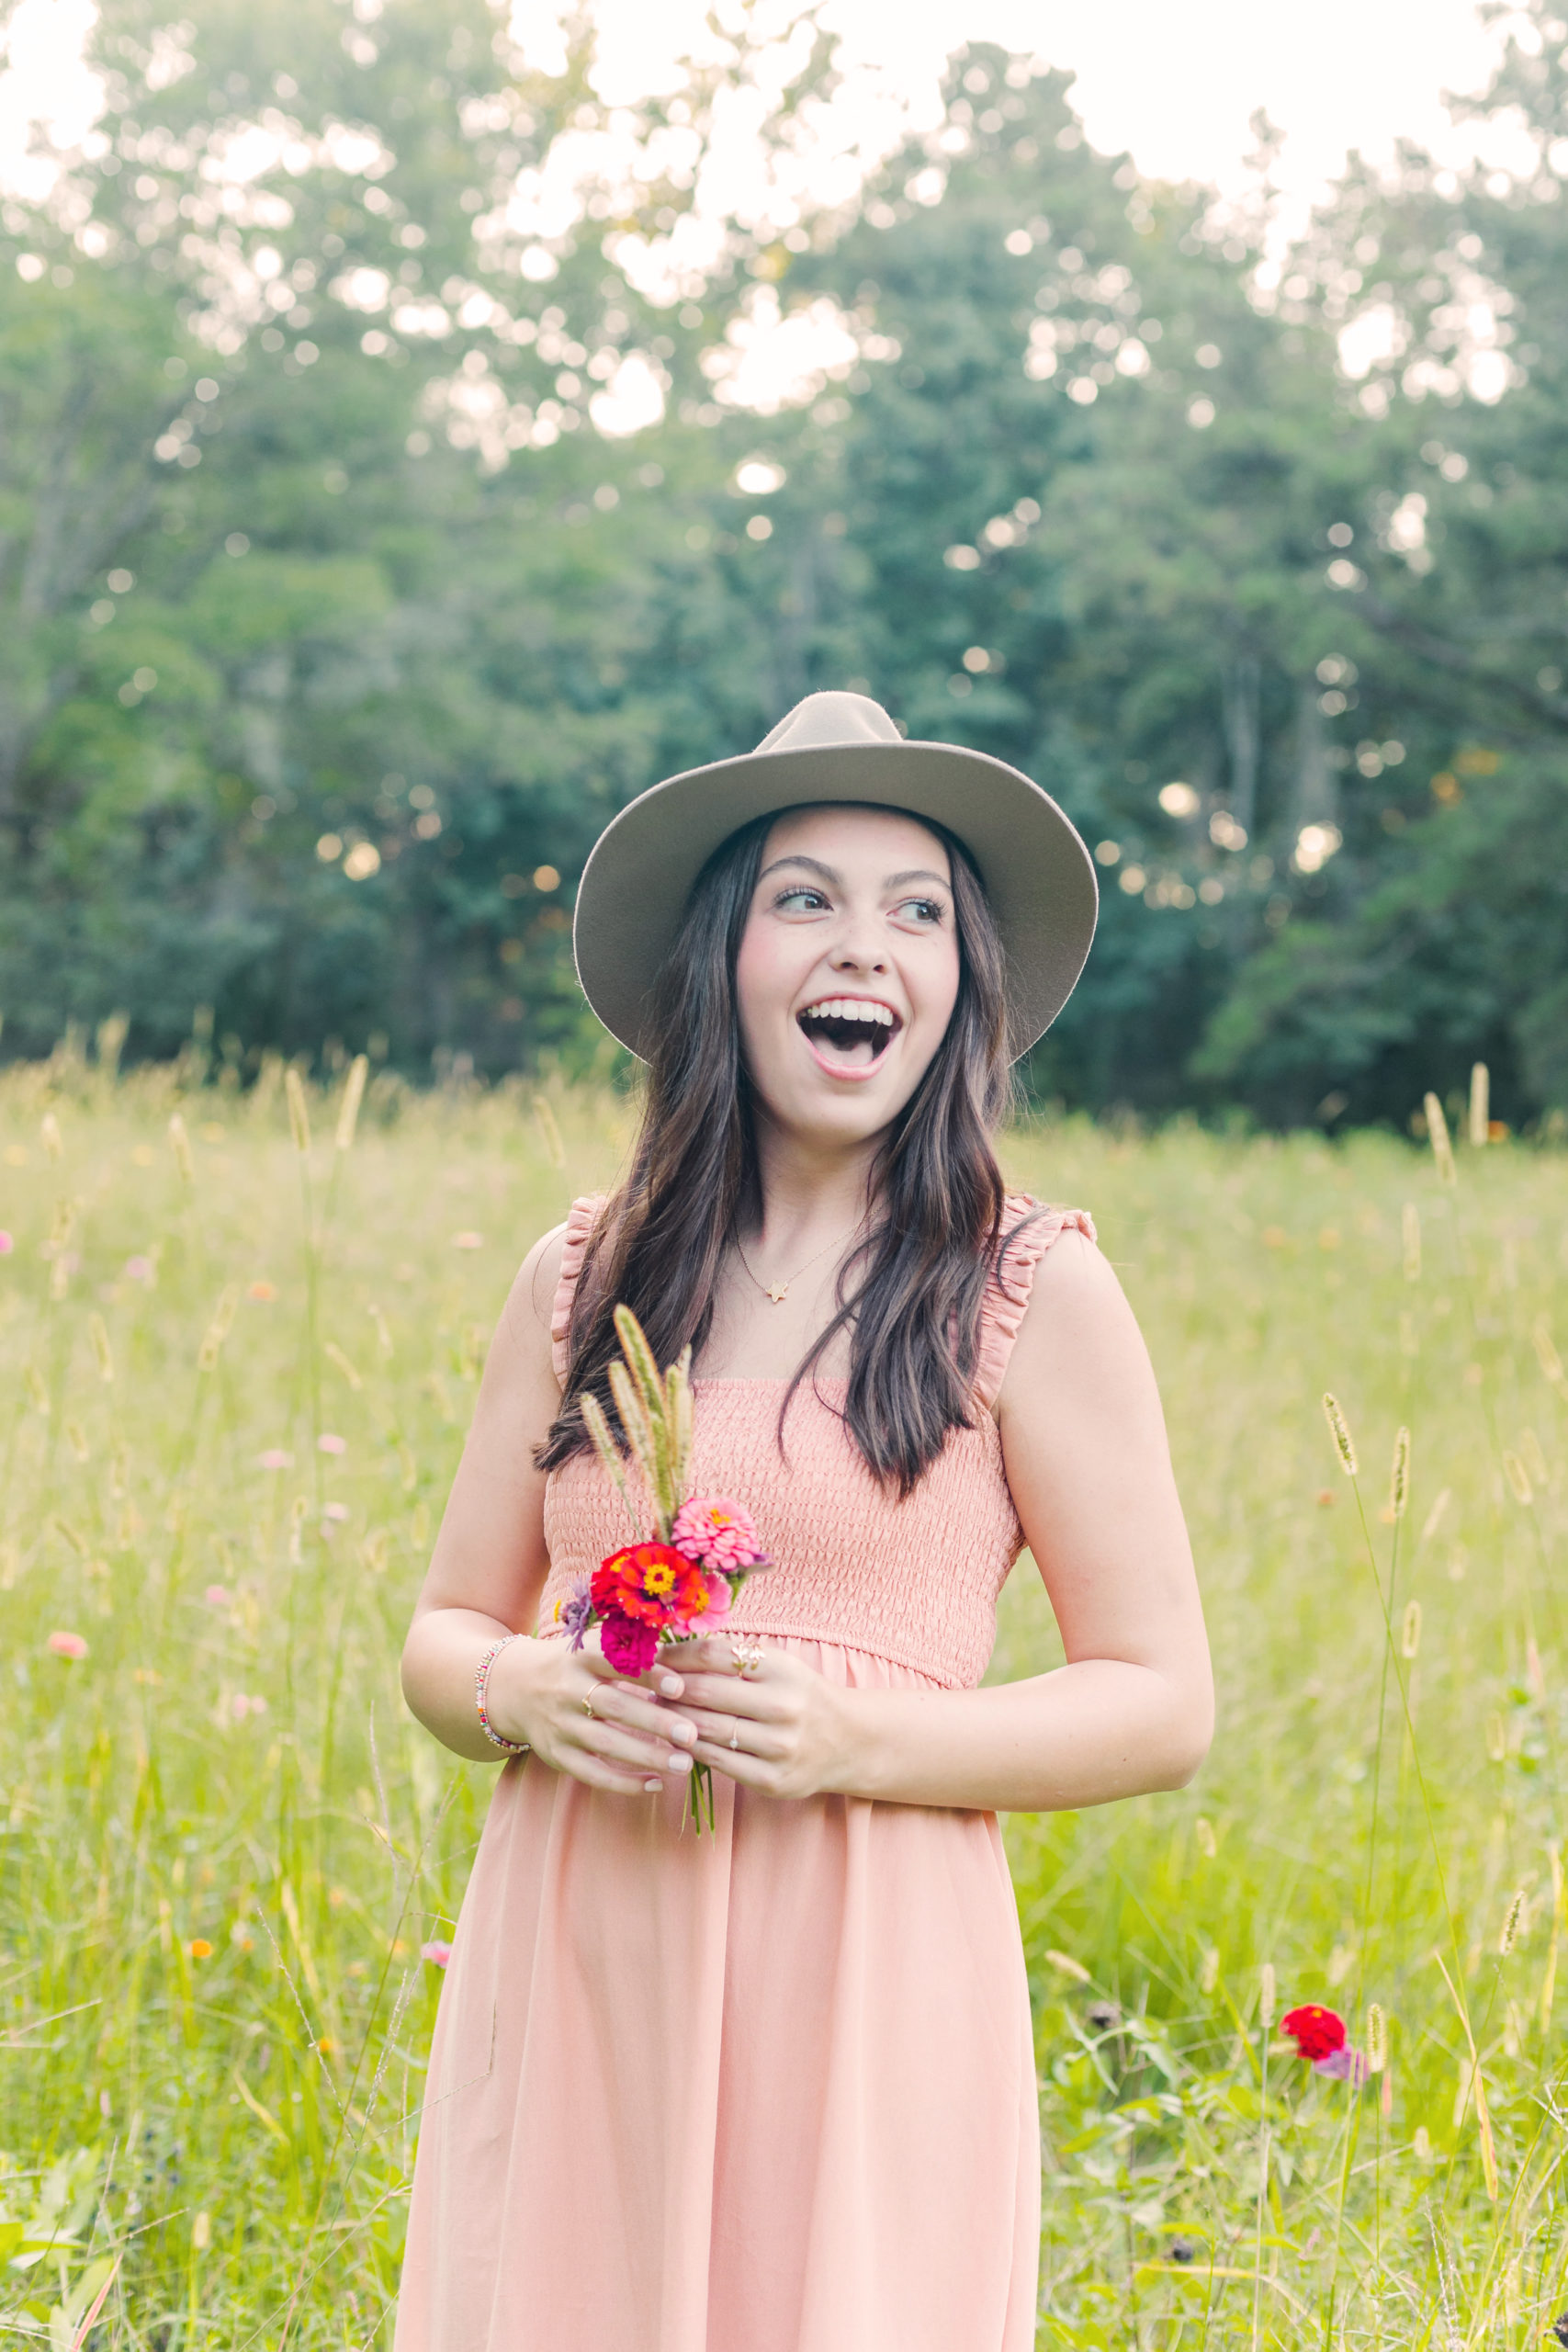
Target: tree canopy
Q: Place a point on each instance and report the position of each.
(378, 511)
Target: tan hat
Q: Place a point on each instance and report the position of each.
(1038, 873)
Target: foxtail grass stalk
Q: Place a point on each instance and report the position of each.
(1266, 2023)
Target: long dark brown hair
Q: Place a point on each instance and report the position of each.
(910, 1294)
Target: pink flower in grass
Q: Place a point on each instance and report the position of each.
(1346, 2065)
(328, 1443)
(67, 1645)
(718, 1533)
(6, 1244)
(218, 1596)
(436, 1952)
(275, 1458)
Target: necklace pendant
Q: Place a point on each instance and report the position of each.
(778, 1291)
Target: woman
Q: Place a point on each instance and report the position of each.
(772, 2089)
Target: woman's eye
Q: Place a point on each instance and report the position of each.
(923, 910)
(803, 897)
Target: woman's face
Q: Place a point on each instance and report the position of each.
(848, 968)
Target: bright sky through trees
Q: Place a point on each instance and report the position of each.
(1177, 86)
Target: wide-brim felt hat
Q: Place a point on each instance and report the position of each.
(1037, 871)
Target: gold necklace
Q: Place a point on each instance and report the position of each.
(779, 1291)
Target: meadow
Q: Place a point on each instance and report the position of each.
(239, 1336)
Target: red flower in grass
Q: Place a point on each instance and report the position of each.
(1317, 2033)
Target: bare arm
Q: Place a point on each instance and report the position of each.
(1084, 1442)
(487, 1574)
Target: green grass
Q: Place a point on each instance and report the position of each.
(229, 1766)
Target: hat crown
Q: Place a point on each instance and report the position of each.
(830, 720)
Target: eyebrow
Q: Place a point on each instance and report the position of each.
(892, 882)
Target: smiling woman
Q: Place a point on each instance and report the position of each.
(797, 2055)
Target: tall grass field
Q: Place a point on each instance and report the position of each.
(238, 1339)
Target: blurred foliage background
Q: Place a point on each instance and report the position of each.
(339, 607)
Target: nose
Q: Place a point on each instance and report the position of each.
(856, 951)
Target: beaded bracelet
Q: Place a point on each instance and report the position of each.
(512, 1747)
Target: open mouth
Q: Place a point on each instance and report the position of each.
(849, 1033)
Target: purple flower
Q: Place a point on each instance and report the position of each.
(1346, 2065)
(577, 1613)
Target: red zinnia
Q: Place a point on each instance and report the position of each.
(1317, 2033)
(651, 1582)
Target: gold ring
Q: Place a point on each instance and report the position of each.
(588, 1706)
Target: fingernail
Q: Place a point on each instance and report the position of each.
(653, 1787)
(678, 1763)
(687, 1732)
(671, 1685)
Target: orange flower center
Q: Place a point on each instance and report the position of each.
(659, 1577)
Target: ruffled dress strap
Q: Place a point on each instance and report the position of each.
(581, 1218)
(1029, 1229)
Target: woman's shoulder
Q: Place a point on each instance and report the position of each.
(1070, 1312)
(559, 1257)
(1031, 1235)
(538, 1307)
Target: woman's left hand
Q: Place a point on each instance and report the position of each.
(780, 1729)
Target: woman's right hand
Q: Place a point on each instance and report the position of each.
(630, 1742)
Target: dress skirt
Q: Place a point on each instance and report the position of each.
(770, 2090)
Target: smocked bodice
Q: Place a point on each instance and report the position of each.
(913, 1581)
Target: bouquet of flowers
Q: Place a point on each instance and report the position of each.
(678, 1583)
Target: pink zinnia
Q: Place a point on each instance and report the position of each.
(720, 1594)
(67, 1645)
(719, 1533)
(627, 1643)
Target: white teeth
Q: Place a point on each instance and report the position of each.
(849, 1007)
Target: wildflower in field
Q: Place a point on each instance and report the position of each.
(1320, 2036)
(335, 1511)
(467, 1241)
(436, 1952)
(218, 1596)
(244, 1707)
(200, 1949)
(140, 1269)
(275, 1458)
(262, 1293)
(7, 1243)
(329, 1443)
(1316, 2032)
(67, 1645)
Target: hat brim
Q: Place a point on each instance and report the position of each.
(1037, 871)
